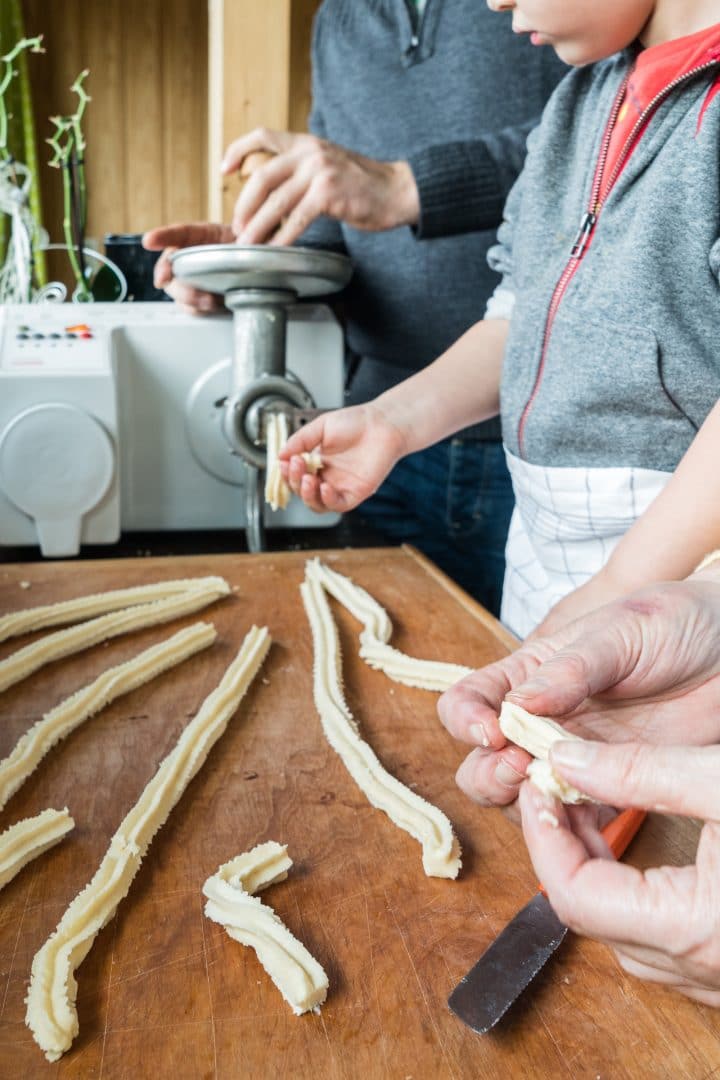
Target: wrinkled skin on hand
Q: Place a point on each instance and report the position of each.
(646, 667)
(643, 676)
(663, 923)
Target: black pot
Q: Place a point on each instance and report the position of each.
(127, 252)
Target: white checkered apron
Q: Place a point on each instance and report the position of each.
(564, 527)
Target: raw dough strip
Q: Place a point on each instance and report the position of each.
(427, 824)
(230, 902)
(62, 643)
(51, 1013)
(86, 607)
(277, 432)
(29, 838)
(410, 670)
(32, 747)
(361, 605)
(374, 647)
(536, 734)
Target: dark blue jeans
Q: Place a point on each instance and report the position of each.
(453, 501)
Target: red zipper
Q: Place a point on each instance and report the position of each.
(591, 215)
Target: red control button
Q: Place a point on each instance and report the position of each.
(86, 335)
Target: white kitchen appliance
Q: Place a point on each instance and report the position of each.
(140, 417)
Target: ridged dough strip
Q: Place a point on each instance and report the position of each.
(63, 643)
(277, 431)
(427, 824)
(230, 902)
(32, 747)
(51, 1013)
(536, 734)
(377, 631)
(87, 607)
(23, 842)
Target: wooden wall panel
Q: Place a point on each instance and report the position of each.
(186, 113)
(157, 106)
(303, 12)
(260, 76)
(107, 176)
(147, 122)
(144, 133)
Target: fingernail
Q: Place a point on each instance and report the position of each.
(508, 776)
(531, 688)
(573, 755)
(477, 732)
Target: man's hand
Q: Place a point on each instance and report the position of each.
(664, 923)
(358, 446)
(646, 667)
(309, 177)
(169, 239)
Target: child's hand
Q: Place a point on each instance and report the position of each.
(358, 447)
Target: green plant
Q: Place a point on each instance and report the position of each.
(16, 187)
(68, 145)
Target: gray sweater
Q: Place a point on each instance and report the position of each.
(632, 365)
(455, 96)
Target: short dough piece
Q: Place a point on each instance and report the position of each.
(277, 493)
(29, 838)
(63, 643)
(313, 461)
(277, 433)
(81, 608)
(427, 824)
(376, 634)
(297, 975)
(32, 747)
(51, 1012)
(536, 734)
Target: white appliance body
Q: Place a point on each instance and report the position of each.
(110, 420)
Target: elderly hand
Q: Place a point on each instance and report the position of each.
(645, 667)
(602, 588)
(168, 239)
(664, 923)
(359, 447)
(309, 177)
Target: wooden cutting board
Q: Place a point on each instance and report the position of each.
(164, 992)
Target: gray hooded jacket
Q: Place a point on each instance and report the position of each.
(456, 96)
(632, 364)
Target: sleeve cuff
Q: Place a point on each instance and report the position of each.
(459, 188)
(501, 303)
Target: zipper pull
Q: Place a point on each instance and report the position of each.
(581, 240)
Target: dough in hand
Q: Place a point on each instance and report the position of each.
(536, 734)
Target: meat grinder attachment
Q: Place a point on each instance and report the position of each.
(259, 284)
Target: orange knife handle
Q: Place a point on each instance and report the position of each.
(619, 832)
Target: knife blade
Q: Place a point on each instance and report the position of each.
(521, 950)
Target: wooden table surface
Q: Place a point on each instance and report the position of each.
(164, 992)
